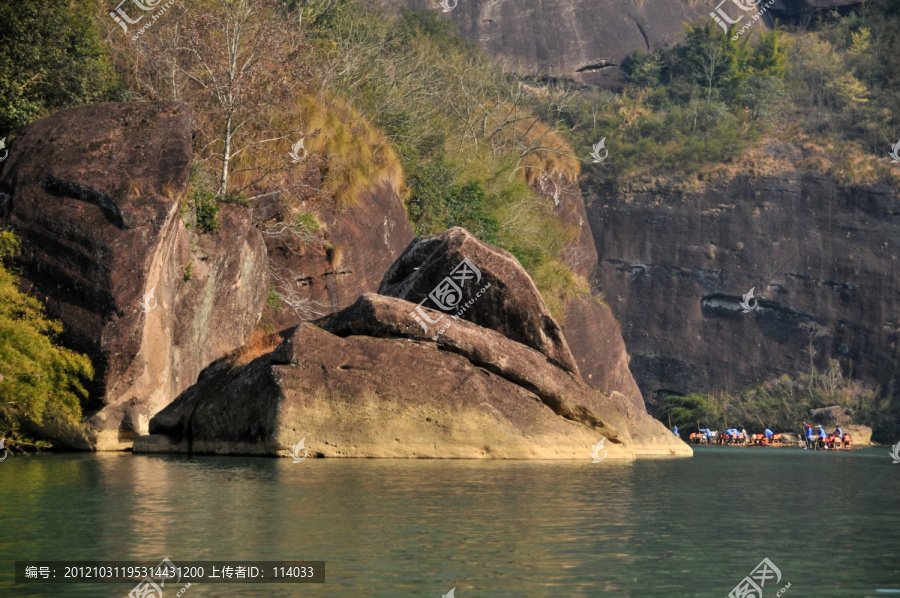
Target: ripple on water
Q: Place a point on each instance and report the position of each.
(685, 527)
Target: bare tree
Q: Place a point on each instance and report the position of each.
(241, 54)
(493, 107)
(712, 62)
(814, 331)
(237, 62)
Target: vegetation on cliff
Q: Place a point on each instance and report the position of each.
(373, 96)
(783, 404)
(370, 96)
(469, 142)
(40, 379)
(705, 109)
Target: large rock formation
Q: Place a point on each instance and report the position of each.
(335, 220)
(373, 381)
(94, 193)
(395, 393)
(586, 40)
(822, 261)
(447, 270)
(595, 338)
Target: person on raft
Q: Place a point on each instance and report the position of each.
(823, 437)
(702, 435)
(839, 440)
(809, 435)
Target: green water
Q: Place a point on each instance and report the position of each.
(387, 528)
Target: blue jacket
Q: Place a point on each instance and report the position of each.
(769, 433)
(823, 433)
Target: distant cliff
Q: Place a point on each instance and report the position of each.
(585, 40)
(824, 263)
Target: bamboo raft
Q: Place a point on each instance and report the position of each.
(779, 446)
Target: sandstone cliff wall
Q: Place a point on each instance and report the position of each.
(95, 195)
(585, 40)
(591, 330)
(350, 254)
(674, 270)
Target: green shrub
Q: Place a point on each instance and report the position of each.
(557, 284)
(205, 208)
(686, 411)
(307, 222)
(437, 201)
(40, 378)
(273, 299)
(784, 403)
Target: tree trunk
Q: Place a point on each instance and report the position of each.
(226, 157)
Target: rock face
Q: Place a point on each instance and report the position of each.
(591, 330)
(380, 387)
(586, 40)
(458, 274)
(595, 338)
(859, 435)
(94, 193)
(822, 260)
(326, 272)
(830, 416)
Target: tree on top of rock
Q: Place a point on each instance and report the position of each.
(237, 62)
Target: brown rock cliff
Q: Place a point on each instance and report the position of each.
(94, 193)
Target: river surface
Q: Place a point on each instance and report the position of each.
(391, 528)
